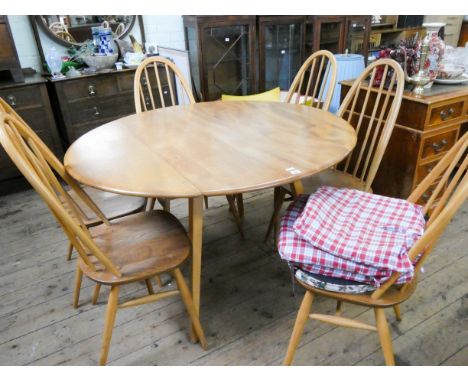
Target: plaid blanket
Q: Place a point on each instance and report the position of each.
(351, 234)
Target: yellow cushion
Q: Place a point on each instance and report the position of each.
(272, 95)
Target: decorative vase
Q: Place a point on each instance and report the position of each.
(435, 51)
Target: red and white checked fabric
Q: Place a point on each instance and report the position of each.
(351, 234)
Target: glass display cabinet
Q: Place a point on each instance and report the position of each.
(281, 50)
(222, 55)
(357, 34)
(242, 55)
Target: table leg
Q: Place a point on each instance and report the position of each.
(196, 232)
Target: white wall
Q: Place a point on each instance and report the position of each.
(159, 30)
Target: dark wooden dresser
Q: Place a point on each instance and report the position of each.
(31, 102)
(88, 101)
(426, 128)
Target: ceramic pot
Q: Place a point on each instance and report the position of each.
(436, 51)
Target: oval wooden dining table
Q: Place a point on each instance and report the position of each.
(206, 149)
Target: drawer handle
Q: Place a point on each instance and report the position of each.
(439, 146)
(446, 114)
(91, 90)
(96, 111)
(12, 100)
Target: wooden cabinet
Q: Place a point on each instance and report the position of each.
(224, 60)
(222, 55)
(426, 128)
(86, 102)
(31, 101)
(281, 50)
(10, 67)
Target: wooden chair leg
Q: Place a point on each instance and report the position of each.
(109, 323)
(397, 310)
(339, 306)
(159, 281)
(385, 337)
(278, 199)
(97, 289)
(206, 201)
(240, 204)
(70, 251)
(78, 279)
(150, 202)
(165, 203)
(233, 209)
(149, 286)
(302, 318)
(187, 299)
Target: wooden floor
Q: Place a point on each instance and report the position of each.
(247, 306)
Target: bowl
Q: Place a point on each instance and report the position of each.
(450, 71)
(100, 62)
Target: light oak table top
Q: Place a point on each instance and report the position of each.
(210, 148)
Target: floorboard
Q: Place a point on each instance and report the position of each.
(247, 306)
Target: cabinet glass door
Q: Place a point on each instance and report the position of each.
(283, 54)
(227, 61)
(356, 36)
(330, 36)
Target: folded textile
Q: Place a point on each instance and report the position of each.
(350, 234)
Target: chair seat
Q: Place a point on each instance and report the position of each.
(395, 295)
(332, 178)
(112, 205)
(141, 246)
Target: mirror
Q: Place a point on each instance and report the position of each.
(76, 29)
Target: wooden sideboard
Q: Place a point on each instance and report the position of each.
(31, 102)
(426, 128)
(85, 102)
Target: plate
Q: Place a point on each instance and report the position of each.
(460, 80)
(129, 66)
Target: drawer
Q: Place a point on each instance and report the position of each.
(423, 170)
(89, 88)
(126, 80)
(449, 112)
(157, 98)
(26, 96)
(426, 196)
(95, 110)
(440, 143)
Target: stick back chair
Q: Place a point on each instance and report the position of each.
(87, 199)
(449, 194)
(130, 249)
(315, 81)
(150, 93)
(372, 111)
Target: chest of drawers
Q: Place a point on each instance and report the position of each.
(86, 102)
(426, 128)
(30, 99)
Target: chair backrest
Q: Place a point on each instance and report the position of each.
(33, 159)
(446, 198)
(315, 81)
(150, 91)
(372, 111)
(56, 164)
